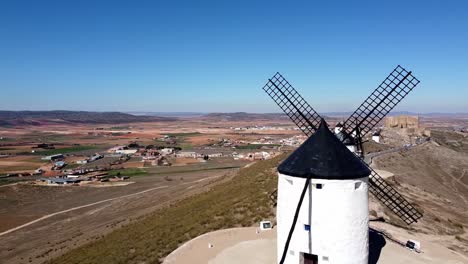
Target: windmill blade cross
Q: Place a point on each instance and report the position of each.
(286, 97)
(384, 98)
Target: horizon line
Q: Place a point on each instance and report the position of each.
(216, 112)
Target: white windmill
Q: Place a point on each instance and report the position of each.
(333, 219)
(322, 207)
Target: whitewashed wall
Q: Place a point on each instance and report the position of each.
(338, 217)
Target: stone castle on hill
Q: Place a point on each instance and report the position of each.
(402, 121)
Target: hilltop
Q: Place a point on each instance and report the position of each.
(39, 118)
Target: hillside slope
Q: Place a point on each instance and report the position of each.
(434, 177)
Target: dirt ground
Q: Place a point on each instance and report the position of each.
(433, 177)
(251, 246)
(12, 165)
(197, 250)
(55, 235)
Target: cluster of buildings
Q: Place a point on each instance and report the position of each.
(294, 141)
(123, 150)
(94, 157)
(60, 180)
(160, 156)
(266, 141)
(60, 166)
(170, 140)
(217, 153)
(200, 154)
(55, 157)
(79, 178)
(149, 152)
(260, 155)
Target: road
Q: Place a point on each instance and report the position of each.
(369, 157)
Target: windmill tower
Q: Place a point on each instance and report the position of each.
(332, 224)
(327, 173)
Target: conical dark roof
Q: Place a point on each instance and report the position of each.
(323, 156)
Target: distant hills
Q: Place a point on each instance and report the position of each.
(242, 116)
(396, 113)
(38, 118)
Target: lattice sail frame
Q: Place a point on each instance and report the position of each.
(392, 199)
(292, 104)
(286, 98)
(384, 98)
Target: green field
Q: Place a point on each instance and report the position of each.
(187, 169)
(181, 139)
(5, 149)
(128, 172)
(5, 181)
(256, 146)
(184, 145)
(167, 170)
(120, 128)
(242, 201)
(65, 150)
(187, 134)
(72, 166)
(214, 164)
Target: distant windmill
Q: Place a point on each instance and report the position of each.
(333, 181)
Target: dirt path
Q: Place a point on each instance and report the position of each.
(78, 207)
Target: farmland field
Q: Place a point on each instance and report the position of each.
(53, 236)
(66, 150)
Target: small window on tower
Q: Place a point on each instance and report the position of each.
(324, 258)
(318, 186)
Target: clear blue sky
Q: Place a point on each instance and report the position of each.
(216, 55)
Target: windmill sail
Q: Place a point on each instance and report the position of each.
(392, 90)
(384, 98)
(392, 199)
(292, 104)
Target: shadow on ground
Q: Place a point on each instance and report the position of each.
(376, 243)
